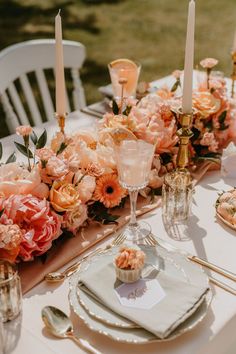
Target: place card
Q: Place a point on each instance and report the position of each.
(142, 294)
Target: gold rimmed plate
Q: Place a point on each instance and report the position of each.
(116, 327)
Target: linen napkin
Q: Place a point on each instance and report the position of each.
(178, 304)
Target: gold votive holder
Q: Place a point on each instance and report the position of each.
(10, 291)
(177, 191)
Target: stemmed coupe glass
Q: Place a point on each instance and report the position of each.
(134, 160)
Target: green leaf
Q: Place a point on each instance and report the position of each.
(61, 148)
(222, 117)
(0, 150)
(23, 150)
(115, 108)
(34, 138)
(11, 158)
(1, 212)
(127, 110)
(44, 163)
(97, 211)
(42, 140)
(175, 86)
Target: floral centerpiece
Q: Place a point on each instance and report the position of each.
(73, 179)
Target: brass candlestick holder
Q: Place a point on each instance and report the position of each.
(61, 121)
(178, 187)
(233, 75)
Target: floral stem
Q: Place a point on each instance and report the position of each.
(26, 141)
(133, 201)
(208, 77)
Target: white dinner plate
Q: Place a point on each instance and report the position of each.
(100, 319)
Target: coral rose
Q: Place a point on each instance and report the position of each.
(64, 196)
(74, 218)
(39, 225)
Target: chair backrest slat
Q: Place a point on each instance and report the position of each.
(35, 114)
(19, 61)
(45, 94)
(78, 92)
(18, 104)
(12, 121)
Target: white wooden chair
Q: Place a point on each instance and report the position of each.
(25, 79)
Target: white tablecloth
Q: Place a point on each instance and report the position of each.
(202, 235)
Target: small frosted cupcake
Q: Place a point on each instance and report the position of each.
(129, 264)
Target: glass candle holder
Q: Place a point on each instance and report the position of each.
(10, 291)
(177, 191)
(124, 76)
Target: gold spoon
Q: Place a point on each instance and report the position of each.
(59, 324)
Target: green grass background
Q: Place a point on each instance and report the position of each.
(149, 31)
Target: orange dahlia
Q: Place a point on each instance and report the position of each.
(108, 190)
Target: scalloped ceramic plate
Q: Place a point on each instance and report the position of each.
(100, 319)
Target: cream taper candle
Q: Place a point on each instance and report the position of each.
(189, 57)
(60, 76)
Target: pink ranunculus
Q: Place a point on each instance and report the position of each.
(15, 179)
(39, 224)
(74, 218)
(209, 140)
(208, 63)
(45, 154)
(24, 130)
(55, 168)
(86, 188)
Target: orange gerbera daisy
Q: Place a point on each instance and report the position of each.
(108, 190)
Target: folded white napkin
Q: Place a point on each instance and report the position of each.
(180, 302)
(228, 161)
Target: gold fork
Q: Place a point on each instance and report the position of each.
(60, 276)
(152, 241)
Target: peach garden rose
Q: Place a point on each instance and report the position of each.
(64, 196)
